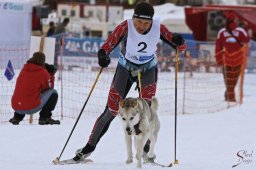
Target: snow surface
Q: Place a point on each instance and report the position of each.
(204, 141)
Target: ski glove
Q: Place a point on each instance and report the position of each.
(103, 58)
(177, 39)
(50, 68)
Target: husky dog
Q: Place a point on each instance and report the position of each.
(141, 121)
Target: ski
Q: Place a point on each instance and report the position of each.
(161, 165)
(152, 162)
(71, 161)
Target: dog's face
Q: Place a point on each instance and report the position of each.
(129, 111)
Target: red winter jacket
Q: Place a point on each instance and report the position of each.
(233, 54)
(31, 82)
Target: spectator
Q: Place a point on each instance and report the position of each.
(188, 63)
(86, 31)
(61, 28)
(51, 29)
(231, 46)
(34, 91)
(254, 36)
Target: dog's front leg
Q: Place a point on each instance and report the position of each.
(151, 153)
(141, 141)
(128, 141)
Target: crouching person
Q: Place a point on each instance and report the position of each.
(34, 91)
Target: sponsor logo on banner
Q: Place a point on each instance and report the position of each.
(87, 47)
(11, 6)
(82, 53)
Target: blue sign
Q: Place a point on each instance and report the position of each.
(87, 47)
(9, 71)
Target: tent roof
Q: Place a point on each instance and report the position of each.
(243, 13)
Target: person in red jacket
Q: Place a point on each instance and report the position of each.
(231, 46)
(34, 91)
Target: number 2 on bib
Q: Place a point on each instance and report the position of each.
(144, 46)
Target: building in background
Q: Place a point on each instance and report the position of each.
(130, 3)
(101, 16)
(93, 17)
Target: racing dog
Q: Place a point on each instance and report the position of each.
(141, 121)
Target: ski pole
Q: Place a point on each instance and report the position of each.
(175, 116)
(55, 161)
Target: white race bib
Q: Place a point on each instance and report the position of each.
(141, 48)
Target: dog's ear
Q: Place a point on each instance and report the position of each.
(121, 103)
(139, 104)
(134, 103)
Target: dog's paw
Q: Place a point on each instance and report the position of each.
(139, 165)
(128, 161)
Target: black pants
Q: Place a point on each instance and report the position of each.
(46, 111)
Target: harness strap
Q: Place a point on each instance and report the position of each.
(139, 82)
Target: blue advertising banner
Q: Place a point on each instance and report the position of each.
(87, 47)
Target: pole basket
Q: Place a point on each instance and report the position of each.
(176, 162)
(56, 161)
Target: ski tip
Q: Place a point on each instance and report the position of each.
(170, 165)
(88, 160)
(56, 161)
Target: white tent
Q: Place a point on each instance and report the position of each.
(170, 15)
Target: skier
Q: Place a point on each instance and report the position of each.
(139, 37)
